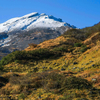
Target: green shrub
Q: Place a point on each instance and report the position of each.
(1, 68)
(77, 44)
(21, 96)
(76, 83)
(83, 48)
(19, 56)
(55, 80)
(52, 80)
(61, 49)
(67, 97)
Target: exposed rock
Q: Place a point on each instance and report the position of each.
(50, 68)
(91, 61)
(62, 69)
(35, 69)
(75, 63)
(4, 80)
(93, 79)
(93, 65)
(35, 89)
(1, 84)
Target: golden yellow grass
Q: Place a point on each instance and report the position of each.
(53, 42)
(83, 60)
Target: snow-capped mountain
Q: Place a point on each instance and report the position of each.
(17, 33)
(31, 21)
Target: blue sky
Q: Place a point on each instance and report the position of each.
(81, 13)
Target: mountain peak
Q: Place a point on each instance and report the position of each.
(31, 21)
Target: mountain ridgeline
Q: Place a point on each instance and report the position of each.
(83, 33)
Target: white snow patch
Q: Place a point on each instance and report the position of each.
(5, 45)
(31, 21)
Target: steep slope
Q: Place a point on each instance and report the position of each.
(83, 33)
(51, 75)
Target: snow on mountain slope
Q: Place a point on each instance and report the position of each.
(31, 21)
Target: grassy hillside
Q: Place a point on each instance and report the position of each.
(65, 68)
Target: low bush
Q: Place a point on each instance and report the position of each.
(77, 44)
(76, 83)
(20, 56)
(83, 48)
(51, 80)
(21, 96)
(54, 80)
(62, 48)
(1, 68)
